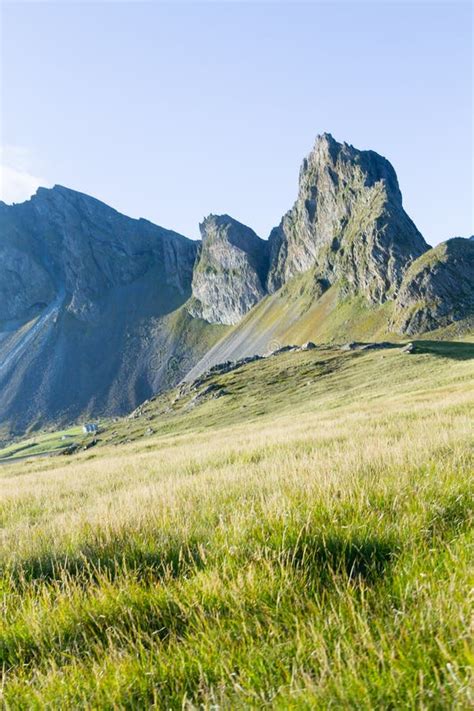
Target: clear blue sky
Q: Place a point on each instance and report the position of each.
(172, 111)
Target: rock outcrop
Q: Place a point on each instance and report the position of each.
(348, 223)
(229, 277)
(438, 288)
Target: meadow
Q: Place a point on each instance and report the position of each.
(304, 541)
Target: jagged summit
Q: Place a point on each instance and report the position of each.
(58, 188)
(58, 191)
(229, 276)
(59, 196)
(348, 222)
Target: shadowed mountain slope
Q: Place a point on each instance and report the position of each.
(90, 303)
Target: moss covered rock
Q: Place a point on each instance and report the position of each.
(438, 288)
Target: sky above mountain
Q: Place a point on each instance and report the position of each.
(171, 111)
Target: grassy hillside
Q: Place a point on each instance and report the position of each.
(302, 540)
(44, 443)
(297, 313)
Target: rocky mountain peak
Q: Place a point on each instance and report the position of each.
(81, 248)
(224, 231)
(333, 159)
(64, 200)
(348, 225)
(229, 277)
(348, 222)
(325, 146)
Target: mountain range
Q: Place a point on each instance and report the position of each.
(99, 311)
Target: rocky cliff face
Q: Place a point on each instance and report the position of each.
(348, 225)
(25, 285)
(348, 221)
(86, 296)
(62, 241)
(438, 288)
(229, 277)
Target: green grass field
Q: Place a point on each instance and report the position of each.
(43, 443)
(303, 541)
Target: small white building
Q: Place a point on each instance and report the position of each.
(90, 428)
